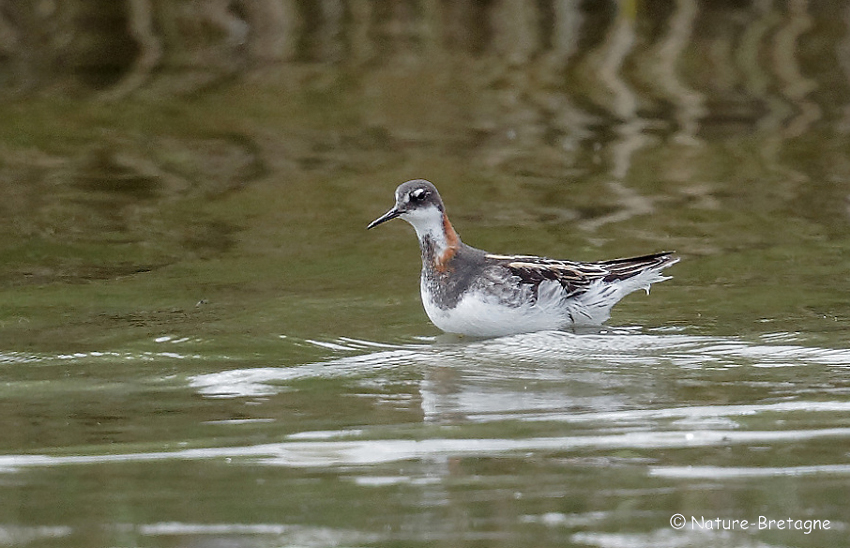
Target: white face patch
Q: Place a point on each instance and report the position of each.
(427, 221)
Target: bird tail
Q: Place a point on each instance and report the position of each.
(631, 267)
(626, 275)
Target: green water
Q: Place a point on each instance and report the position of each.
(201, 345)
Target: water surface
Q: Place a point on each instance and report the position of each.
(200, 344)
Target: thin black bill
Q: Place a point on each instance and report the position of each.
(388, 216)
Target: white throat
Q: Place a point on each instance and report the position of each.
(429, 225)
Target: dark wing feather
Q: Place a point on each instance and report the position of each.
(623, 269)
(576, 277)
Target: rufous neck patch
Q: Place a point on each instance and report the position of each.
(441, 261)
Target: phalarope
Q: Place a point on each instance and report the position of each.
(471, 292)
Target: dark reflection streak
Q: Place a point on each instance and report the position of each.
(331, 32)
(430, 28)
(9, 37)
(781, 124)
(517, 39)
(515, 31)
(220, 14)
(756, 80)
(274, 30)
(141, 28)
(630, 131)
(609, 58)
(623, 103)
(842, 53)
(688, 102)
(567, 24)
(361, 43)
(568, 122)
(796, 87)
(719, 53)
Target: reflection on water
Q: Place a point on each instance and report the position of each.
(483, 368)
(200, 346)
(632, 97)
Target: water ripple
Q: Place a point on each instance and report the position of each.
(693, 414)
(721, 473)
(344, 453)
(533, 356)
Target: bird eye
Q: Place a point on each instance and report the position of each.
(418, 195)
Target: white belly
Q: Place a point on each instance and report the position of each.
(484, 316)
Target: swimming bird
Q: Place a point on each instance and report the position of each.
(472, 292)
